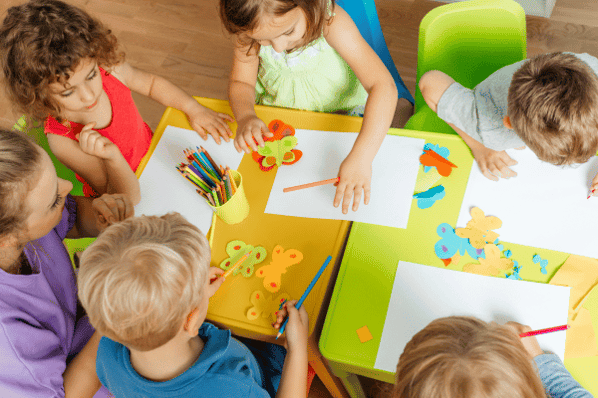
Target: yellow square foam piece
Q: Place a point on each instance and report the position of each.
(364, 334)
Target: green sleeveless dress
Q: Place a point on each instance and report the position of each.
(314, 78)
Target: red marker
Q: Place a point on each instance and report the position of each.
(591, 193)
(544, 331)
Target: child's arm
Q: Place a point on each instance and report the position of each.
(293, 382)
(241, 94)
(493, 164)
(80, 378)
(201, 119)
(98, 161)
(356, 170)
(93, 215)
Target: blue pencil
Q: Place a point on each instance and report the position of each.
(304, 296)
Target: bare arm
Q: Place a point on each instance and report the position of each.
(80, 378)
(93, 215)
(293, 382)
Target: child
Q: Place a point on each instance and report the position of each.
(464, 357)
(309, 55)
(549, 103)
(145, 284)
(42, 332)
(63, 66)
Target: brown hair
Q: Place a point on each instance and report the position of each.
(464, 357)
(141, 278)
(553, 107)
(42, 42)
(19, 161)
(241, 17)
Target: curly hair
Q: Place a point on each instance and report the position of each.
(240, 17)
(553, 107)
(42, 42)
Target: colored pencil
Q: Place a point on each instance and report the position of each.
(312, 184)
(209, 157)
(229, 188)
(232, 180)
(591, 193)
(544, 331)
(304, 296)
(237, 264)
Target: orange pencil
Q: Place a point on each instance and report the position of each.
(232, 180)
(312, 184)
(237, 264)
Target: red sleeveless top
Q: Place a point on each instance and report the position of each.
(126, 129)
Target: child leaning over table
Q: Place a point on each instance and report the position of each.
(464, 357)
(145, 284)
(549, 103)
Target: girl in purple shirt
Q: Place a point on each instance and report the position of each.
(40, 332)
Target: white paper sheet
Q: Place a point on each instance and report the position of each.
(423, 293)
(394, 172)
(164, 189)
(544, 206)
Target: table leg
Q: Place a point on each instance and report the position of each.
(332, 383)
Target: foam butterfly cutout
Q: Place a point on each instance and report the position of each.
(265, 306)
(450, 246)
(236, 249)
(440, 150)
(479, 229)
(543, 263)
(516, 269)
(428, 198)
(432, 159)
(491, 265)
(281, 260)
(278, 149)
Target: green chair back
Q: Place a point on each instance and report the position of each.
(468, 41)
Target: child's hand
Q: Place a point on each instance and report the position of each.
(494, 164)
(216, 280)
(297, 327)
(530, 343)
(204, 121)
(355, 177)
(95, 144)
(248, 129)
(110, 208)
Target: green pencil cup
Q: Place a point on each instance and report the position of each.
(237, 208)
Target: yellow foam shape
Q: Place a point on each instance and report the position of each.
(281, 260)
(425, 181)
(479, 229)
(364, 334)
(491, 265)
(264, 305)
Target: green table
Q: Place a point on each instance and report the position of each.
(365, 280)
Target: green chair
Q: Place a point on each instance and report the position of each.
(36, 131)
(468, 41)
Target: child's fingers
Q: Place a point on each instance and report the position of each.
(105, 209)
(214, 273)
(367, 190)
(226, 116)
(214, 133)
(340, 191)
(243, 144)
(258, 138)
(347, 195)
(357, 192)
(237, 146)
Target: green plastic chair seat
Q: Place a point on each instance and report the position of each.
(468, 41)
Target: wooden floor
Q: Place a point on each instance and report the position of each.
(183, 41)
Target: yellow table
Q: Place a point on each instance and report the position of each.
(315, 238)
(365, 279)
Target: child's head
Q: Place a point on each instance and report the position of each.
(42, 42)
(463, 357)
(142, 277)
(553, 107)
(283, 24)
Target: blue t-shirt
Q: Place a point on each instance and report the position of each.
(225, 368)
(557, 380)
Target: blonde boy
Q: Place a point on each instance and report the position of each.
(146, 284)
(548, 103)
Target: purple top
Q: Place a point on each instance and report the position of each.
(38, 327)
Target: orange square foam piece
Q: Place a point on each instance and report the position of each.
(364, 334)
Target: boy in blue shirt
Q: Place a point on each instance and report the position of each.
(146, 284)
(548, 103)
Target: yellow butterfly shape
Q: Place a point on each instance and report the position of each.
(265, 306)
(491, 265)
(479, 229)
(281, 260)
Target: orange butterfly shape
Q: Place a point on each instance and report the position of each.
(281, 260)
(432, 159)
(278, 149)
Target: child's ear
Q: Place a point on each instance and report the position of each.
(507, 122)
(192, 323)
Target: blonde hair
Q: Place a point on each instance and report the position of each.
(139, 280)
(20, 160)
(241, 17)
(553, 107)
(463, 357)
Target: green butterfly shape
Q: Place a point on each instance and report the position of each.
(278, 151)
(236, 249)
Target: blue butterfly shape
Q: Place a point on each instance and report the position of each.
(442, 151)
(543, 263)
(516, 269)
(428, 198)
(450, 243)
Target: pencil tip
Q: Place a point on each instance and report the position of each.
(278, 335)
